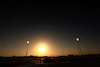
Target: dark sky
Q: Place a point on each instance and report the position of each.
(56, 23)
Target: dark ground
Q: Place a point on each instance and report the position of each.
(76, 61)
(71, 64)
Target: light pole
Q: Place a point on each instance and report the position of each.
(27, 47)
(63, 51)
(88, 49)
(79, 44)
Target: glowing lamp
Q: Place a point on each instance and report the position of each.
(28, 42)
(77, 39)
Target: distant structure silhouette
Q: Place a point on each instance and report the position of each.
(27, 47)
(78, 39)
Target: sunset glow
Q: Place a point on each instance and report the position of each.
(58, 28)
(42, 49)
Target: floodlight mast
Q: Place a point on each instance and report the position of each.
(79, 44)
(27, 47)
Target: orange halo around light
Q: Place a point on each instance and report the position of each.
(42, 49)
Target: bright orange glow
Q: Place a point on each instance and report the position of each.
(42, 49)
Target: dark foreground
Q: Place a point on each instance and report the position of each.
(93, 63)
(83, 61)
(67, 64)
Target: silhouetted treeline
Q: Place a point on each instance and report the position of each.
(93, 55)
